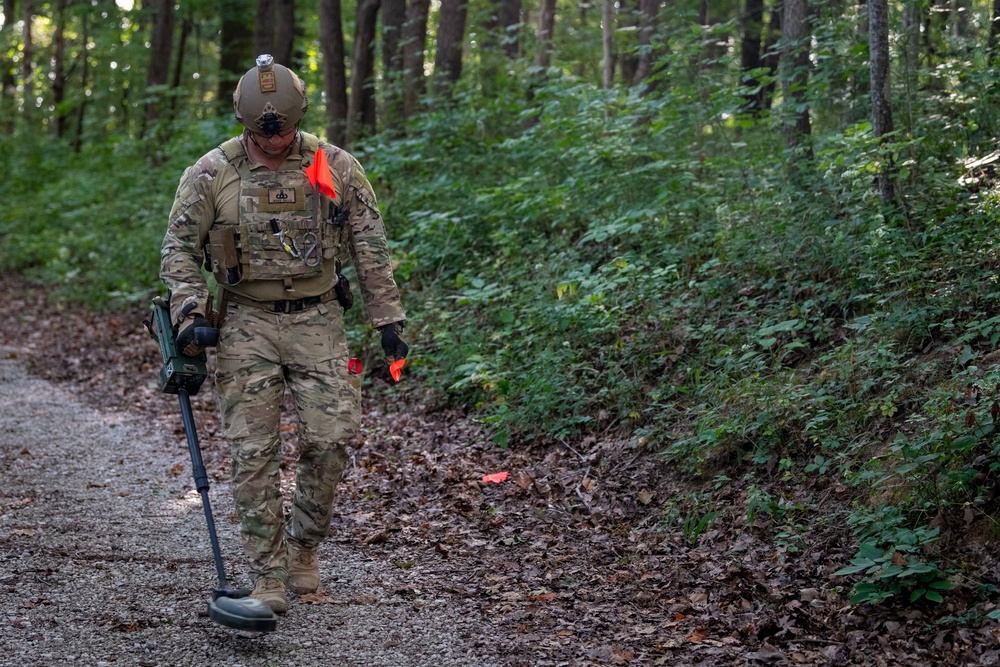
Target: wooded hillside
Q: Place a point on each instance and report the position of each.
(755, 238)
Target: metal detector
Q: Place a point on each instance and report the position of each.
(183, 376)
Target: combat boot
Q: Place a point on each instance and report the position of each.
(271, 592)
(303, 568)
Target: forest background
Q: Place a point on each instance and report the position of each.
(752, 237)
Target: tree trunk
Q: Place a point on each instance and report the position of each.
(878, 45)
(543, 51)
(910, 20)
(630, 18)
(772, 55)
(175, 81)
(263, 27)
(509, 19)
(178, 68)
(331, 29)
(450, 43)
(361, 105)
(8, 77)
(84, 82)
(393, 20)
(995, 25)
(750, 52)
(546, 24)
(931, 31)
(859, 84)
(795, 81)
(648, 19)
(608, 41)
(499, 42)
(284, 33)
(59, 69)
(235, 48)
(580, 69)
(414, 42)
(962, 12)
(27, 60)
(161, 42)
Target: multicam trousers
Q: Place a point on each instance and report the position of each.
(259, 354)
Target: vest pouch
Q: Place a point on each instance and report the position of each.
(225, 262)
(295, 251)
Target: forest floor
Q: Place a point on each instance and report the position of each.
(591, 552)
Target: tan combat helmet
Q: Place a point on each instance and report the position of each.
(269, 98)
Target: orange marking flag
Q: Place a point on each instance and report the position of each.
(496, 477)
(319, 173)
(396, 369)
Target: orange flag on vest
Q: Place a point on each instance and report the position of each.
(319, 173)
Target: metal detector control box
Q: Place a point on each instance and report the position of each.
(177, 371)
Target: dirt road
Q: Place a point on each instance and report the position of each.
(105, 558)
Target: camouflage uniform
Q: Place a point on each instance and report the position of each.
(282, 327)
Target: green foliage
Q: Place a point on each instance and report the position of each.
(91, 222)
(890, 560)
(695, 515)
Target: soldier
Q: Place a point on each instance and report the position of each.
(250, 211)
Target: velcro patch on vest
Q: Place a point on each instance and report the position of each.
(281, 195)
(282, 199)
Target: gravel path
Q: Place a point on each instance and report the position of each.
(105, 559)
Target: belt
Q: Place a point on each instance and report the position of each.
(283, 305)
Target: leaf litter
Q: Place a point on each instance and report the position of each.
(574, 560)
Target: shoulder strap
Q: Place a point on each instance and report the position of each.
(310, 144)
(232, 149)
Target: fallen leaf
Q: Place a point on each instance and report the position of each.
(622, 656)
(767, 653)
(319, 597)
(378, 537)
(523, 480)
(698, 635)
(698, 599)
(543, 597)
(645, 497)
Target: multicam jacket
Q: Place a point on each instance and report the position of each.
(286, 249)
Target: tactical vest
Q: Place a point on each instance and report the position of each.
(285, 230)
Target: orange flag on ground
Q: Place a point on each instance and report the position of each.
(319, 173)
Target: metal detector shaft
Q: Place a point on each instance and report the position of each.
(201, 480)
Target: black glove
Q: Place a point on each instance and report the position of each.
(392, 343)
(190, 341)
